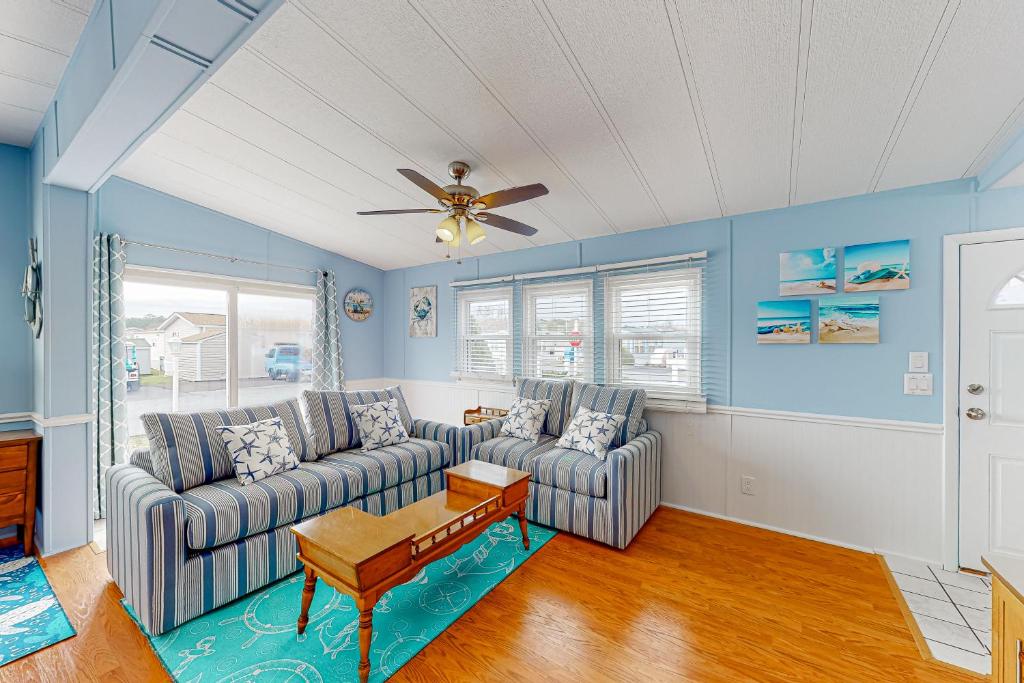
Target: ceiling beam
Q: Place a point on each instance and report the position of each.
(1003, 164)
(135, 64)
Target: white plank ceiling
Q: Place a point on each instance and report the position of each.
(37, 38)
(634, 114)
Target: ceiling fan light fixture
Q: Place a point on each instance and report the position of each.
(448, 229)
(475, 232)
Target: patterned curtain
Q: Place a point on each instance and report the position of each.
(110, 428)
(327, 373)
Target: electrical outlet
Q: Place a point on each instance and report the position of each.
(747, 486)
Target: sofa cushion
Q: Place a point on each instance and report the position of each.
(329, 416)
(259, 450)
(186, 450)
(591, 432)
(226, 511)
(525, 419)
(508, 451)
(559, 393)
(379, 424)
(614, 400)
(571, 470)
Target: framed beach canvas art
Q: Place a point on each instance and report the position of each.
(849, 319)
(423, 311)
(784, 322)
(808, 271)
(877, 266)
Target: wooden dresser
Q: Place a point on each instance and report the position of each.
(19, 462)
(1007, 619)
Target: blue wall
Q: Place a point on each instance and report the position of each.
(15, 337)
(850, 380)
(139, 213)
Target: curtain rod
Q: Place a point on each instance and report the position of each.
(230, 259)
(599, 268)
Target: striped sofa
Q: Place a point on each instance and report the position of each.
(605, 500)
(184, 537)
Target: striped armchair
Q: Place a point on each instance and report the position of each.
(607, 500)
(185, 537)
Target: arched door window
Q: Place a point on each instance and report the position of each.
(1011, 294)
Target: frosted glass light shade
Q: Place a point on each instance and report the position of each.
(448, 229)
(475, 232)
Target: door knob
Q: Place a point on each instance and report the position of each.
(975, 413)
(975, 389)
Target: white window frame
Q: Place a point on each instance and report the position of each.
(530, 340)
(464, 298)
(232, 286)
(693, 338)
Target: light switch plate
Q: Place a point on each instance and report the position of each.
(917, 384)
(918, 361)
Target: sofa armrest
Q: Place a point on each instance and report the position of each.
(145, 543)
(476, 434)
(438, 431)
(634, 485)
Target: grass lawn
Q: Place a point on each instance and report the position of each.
(156, 379)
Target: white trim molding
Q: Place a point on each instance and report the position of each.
(9, 418)
(866, 422)
(62, 420)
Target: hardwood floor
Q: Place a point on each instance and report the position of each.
(693, 598)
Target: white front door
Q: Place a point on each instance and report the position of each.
(991, 401)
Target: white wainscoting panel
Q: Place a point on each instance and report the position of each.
(867, 484)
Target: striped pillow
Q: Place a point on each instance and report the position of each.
(186, 450)
(614, 400)
(329, 416)
(558, 393)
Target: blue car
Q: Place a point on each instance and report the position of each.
(284, 361)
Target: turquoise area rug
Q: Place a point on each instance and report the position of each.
(30, 616)
(254, 638)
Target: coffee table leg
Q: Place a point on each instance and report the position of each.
(365, 637)
(307, 599)
(521, 514)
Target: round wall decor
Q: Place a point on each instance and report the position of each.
(358, 304)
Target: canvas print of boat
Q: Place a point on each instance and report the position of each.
(848, 319)
(877, 266)
(809, 271)
(784, 322)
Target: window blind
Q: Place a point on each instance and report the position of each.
(484, 334)
(653, 331)
(558, 330)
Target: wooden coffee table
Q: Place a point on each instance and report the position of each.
(365, 556)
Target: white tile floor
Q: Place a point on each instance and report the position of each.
(952, 610)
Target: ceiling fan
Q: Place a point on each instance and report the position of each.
(466, 207)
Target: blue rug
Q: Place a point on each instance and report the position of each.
(30, 616)
(254, 637)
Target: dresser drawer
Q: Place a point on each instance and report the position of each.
(12, 481)
(12, 508)
(13, 457)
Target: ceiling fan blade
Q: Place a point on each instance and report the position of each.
(391, 211)
(512, 195)
(425, 184)
(507, 224)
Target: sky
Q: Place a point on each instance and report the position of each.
(807, 264)
(897, 252)
(143, 299)
(784, 309)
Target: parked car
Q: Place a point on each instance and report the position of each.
(286, 361)
(131, 367)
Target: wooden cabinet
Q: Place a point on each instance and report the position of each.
(19, 458)
(1007, 619)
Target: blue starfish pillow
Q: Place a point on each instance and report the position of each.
(525, 419)
(380, 424)
(591, 432)
(259, 450)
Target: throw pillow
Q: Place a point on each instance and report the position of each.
(525, 419)
(259, 450)
(591, 432)
(380, 424)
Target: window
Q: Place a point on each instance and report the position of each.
(181, 328)
(653, 332)
(558, 330)
(1011, 294)
(485, 334)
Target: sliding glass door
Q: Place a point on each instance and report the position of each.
(199, 342)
